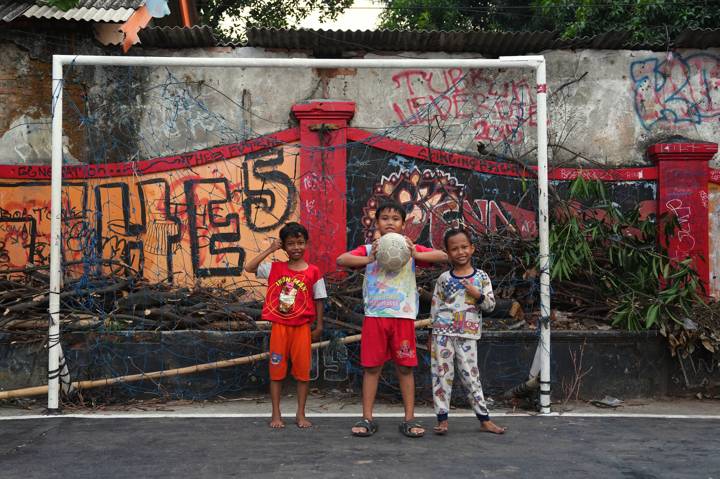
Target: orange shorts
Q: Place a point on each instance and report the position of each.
(290, 343)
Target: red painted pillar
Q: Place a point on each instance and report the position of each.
(322, 177)
(683, 176)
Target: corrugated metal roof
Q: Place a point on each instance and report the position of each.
(490, 44)
(177, 37)
(703, 38)
(333, 42)
(80, 14)
(87, 10)
(9, 11)
(108, 4)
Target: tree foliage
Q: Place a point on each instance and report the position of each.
(63, 5)
(502, 15)
(647, 20)
(230, 18)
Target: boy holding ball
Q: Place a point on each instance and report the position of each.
(391, 306)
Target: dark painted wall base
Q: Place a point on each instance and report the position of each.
(620, 364)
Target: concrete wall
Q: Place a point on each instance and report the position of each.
(194, 221)
(606, 107)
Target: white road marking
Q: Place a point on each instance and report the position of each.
(193, 415)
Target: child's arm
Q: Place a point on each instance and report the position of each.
(252, 265)
(352, 260)
(319, 312)
(319, 295)
(435, 304)
(428, 255)
(434, 256)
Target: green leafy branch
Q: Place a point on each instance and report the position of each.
(594, 242)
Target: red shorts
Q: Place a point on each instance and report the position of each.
(293, 343)
(388, 338)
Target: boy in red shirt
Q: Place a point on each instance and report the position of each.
(391, 306)
(294, 299)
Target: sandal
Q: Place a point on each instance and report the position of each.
(440, 430)
(370, 426)
(406, 427)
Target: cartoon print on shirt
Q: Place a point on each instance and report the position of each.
(287, 296)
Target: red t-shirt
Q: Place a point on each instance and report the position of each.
(291, 295)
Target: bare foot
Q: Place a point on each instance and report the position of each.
(302, 422)
(491, 427)
(441, 428)
(277, 422)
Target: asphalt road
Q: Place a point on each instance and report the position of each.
(566, 447)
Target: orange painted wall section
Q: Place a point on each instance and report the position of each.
(185, 225)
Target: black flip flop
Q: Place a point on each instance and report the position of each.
(406, 428)
(370, 426)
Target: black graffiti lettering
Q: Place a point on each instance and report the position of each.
(164, 229)
(117, 233)
(18, 234)
(231, 220)
(4, 255)
(262, 200)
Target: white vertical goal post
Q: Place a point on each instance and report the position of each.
(534, 62)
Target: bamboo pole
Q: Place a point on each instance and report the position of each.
(40, 390)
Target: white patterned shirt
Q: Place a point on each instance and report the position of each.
(454, 312)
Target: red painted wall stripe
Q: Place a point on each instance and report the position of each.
(155, 165)
(458, 160)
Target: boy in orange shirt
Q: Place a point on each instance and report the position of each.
(294, 299)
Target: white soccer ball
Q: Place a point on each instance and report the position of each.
(392, 252)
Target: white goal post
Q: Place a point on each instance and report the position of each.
(535, 62)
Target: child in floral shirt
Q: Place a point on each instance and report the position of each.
(460, 296)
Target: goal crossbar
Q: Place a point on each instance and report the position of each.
(534, 62)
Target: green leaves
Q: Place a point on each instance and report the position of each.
(230, 18)
(63, 5)
(647, 21)
(593, 241)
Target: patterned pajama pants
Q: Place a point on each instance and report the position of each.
(446, 352)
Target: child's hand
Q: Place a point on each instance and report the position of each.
(373, 250)
(411, 246)
(275, 245)
(471, 288)
(316, 334)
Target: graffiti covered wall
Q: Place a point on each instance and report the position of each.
(183, 219)
(437, 196)
(680, 90)
(499, 110)
(605, 107)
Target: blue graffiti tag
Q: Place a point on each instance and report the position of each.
(677, 91)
